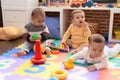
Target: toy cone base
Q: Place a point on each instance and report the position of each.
(38, 61)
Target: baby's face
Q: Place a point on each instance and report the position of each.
(96, 49)
(38, 21)
(78, 18)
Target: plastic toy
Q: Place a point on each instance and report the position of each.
(55, 51)
(69, 64)
(118, 5)
(109, 5)
(105, 36)
(77, 62)
(56, 2)
(83, 3)
(41, 46)
(38, 58)
(60, 74)
(56, 44)
(76, 3)
(35, 36)
(89, 3)
(53, 78)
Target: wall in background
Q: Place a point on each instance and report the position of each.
(102, 17)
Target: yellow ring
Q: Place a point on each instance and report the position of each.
(60, 74)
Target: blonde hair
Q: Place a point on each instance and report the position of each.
(76, 11)
(38, 11)
(98, 38)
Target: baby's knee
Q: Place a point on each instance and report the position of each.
(47, 49)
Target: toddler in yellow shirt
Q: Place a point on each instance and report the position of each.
(78, 32)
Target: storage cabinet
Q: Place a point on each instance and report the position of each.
(111, 26)
(10, 16)
(19, 4)
(65, 18)
(17, 12)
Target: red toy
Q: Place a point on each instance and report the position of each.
(77, 3)
(38, 58)
(55, 51)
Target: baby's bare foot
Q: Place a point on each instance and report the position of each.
(21, 53)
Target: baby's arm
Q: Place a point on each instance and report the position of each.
(76, 56)
(80, 54)
(102, 64)
(44, 36)
(66, 35)
(91, 68)
(87, 31)
(80, 48)
(45, 33)
(86, 26)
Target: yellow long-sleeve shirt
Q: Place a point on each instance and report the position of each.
(78, 35)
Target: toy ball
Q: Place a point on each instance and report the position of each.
(42, 47)
(35, 36)
(53, 78)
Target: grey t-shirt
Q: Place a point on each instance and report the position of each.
(32, 29)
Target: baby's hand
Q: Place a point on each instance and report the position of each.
(64, 43)
(38, 38)
(31, 39)
(64, 61)
(85, 24)
(74, 51)
(91, 68)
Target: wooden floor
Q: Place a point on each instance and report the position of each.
(7, 45)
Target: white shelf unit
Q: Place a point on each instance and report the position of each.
(63, 11)
(17, 12)
(111, 37)
(64, 17)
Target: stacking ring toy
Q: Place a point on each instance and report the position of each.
(35, 36)
(42, 47)
(60, 74)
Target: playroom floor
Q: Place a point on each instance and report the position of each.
(12, 67)
(7, 45)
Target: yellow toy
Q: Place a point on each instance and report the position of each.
(69, 64)
(60, 74)
(118, 5)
